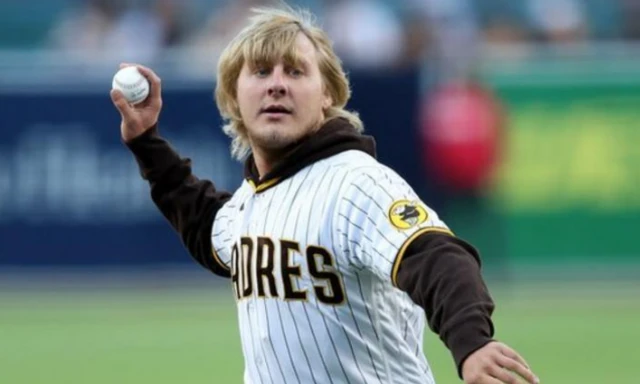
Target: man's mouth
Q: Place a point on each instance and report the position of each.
(276, 110)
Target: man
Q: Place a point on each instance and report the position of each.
(333, 258)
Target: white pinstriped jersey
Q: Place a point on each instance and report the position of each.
(313, 260)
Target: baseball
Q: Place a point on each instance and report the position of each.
(132, 84)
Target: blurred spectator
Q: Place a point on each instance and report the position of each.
(136, 36)
(503, 30)
(366, 33)
(102, 30)
(503, 21)
(558, 20)
(461, 126)
(82, 30)
(204, 47)
(417, 36)
(605, 18)
(173, 18)
(631, 12)
(455, 33)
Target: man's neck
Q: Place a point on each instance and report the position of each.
(266, 160)
(262, 164)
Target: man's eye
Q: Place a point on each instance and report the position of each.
(295, 72)
(261, 72)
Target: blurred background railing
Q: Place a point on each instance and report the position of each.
(516, 120)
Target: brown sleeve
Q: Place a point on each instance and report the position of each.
(189, 204)
(441, 273)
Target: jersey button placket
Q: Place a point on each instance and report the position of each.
(258, 211)
(255, 207)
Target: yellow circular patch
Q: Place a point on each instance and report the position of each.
(405, 214)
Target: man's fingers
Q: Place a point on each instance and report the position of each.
(121, 104)
(503, 376)
(512, 354)
(517, 367)
(154, 81)
(489, 380)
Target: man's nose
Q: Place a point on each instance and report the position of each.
(277, 85)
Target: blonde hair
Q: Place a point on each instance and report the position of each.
(271, 36)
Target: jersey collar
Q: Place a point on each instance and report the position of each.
(335, 136)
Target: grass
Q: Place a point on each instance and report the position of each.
(579, 334)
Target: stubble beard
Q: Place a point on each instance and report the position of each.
(277, 140)
(273, 140)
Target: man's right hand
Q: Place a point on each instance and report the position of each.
(496, 363)
(137, 119)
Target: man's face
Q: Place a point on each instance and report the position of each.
(281, 103)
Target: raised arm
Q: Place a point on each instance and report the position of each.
(188, 203)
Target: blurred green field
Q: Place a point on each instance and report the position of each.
(583, 334)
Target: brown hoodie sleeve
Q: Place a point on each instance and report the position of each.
(441, 273)
(189, 204)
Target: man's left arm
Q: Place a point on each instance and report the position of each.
(385, 228)
(441, 273)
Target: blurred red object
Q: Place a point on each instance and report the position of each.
(461, 131)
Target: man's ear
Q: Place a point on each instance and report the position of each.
(327, 102)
